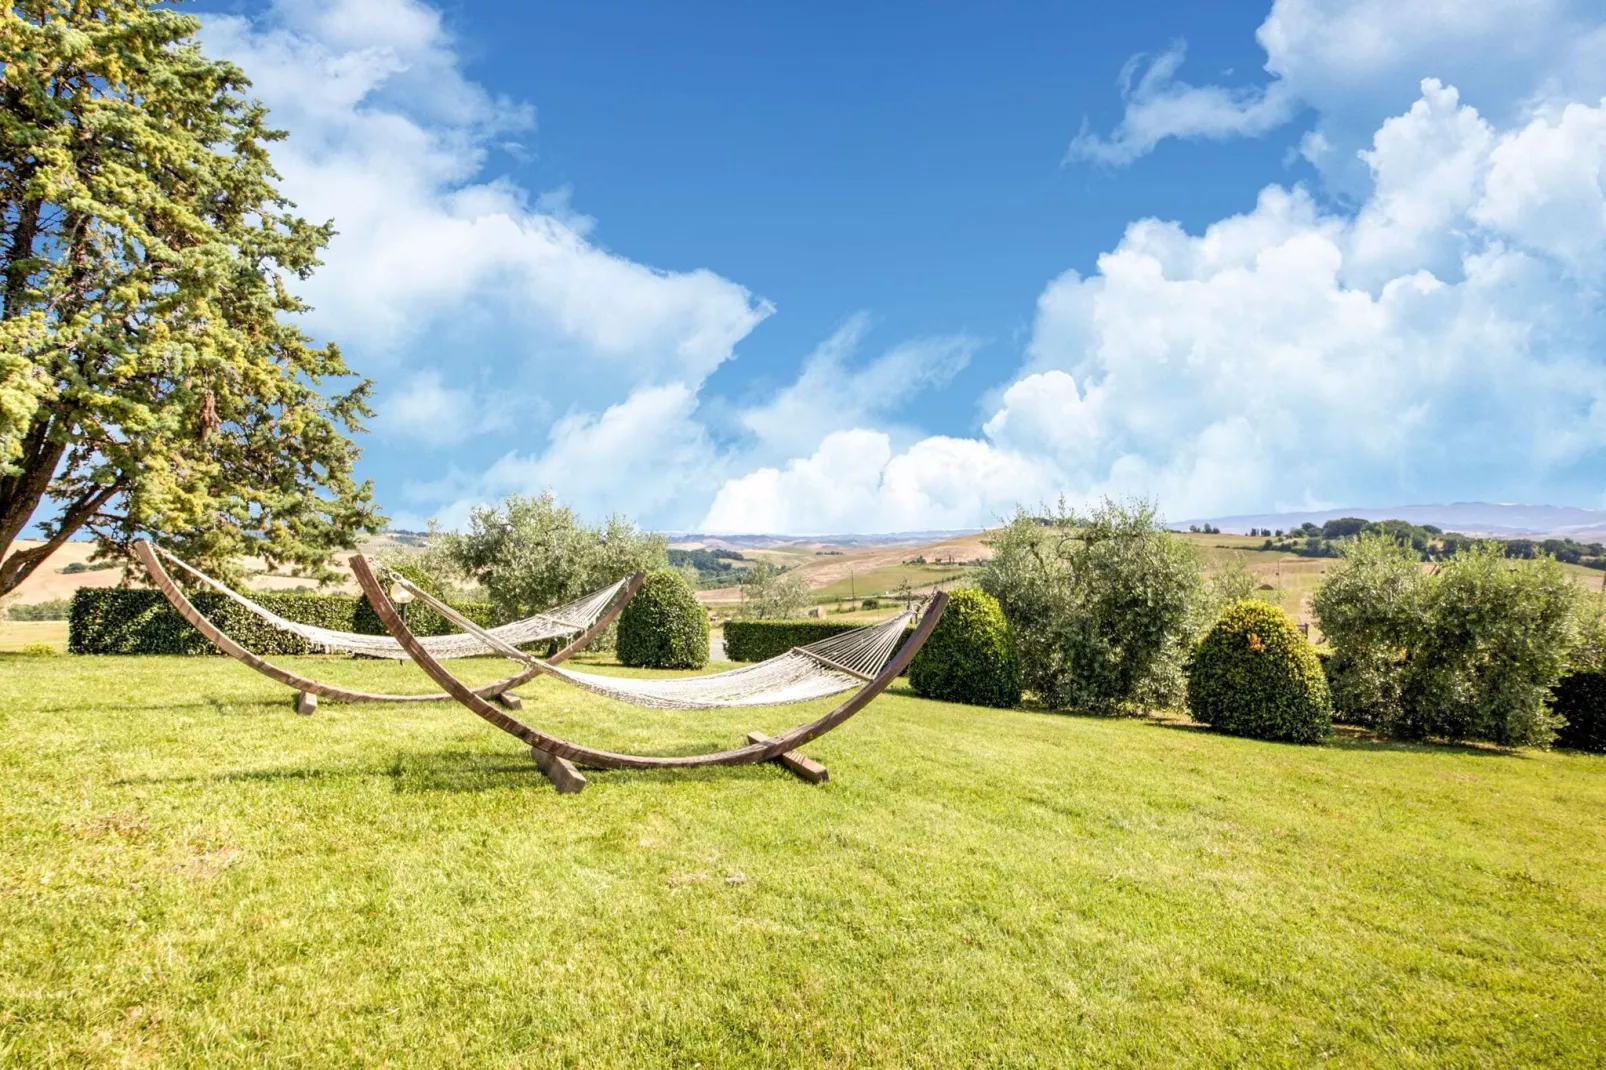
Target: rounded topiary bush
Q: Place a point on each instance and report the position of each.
(1255, 675)
(664, 626)
(1580, 700)
(971, 654)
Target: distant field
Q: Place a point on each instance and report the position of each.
(17, 635)
(885, 581)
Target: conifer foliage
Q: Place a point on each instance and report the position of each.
(152, 374)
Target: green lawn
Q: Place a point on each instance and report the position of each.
(193, 875)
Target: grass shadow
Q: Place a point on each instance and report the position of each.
(461, 771)
(752, 771)
(1351, 737)
(1406, 746)
(248, 776)
(201, 703)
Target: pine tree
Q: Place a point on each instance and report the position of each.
(152, 377)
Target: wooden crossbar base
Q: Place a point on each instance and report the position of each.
(306, 703)
(510, 701)
(564, 776)
(806, 768)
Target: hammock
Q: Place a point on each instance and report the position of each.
(827, 667)
(567, 619)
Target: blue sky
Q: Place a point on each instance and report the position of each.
(884, 267)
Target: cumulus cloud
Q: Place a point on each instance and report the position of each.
(1355, 61)
(645, 457)
(856, 481)
(1444, 341)
(651, 456)
(392, 142)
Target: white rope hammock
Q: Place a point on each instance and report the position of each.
(827, 667)
(568, 619)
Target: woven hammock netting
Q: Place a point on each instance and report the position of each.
(569, 619)
(828, 667)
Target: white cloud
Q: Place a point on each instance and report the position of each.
(1046, 413)
(1439, 343)
(428, 411)
(1444, 339)
(1444, 342)
(644, 457)
(390, 140)
(1158, 106)
(1545, 187)
(1355, 61)
(855, 481)
(832, 395)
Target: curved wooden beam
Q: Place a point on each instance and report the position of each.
(602, 759)
(186, 609)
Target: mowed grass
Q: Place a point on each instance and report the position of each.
(193, 875)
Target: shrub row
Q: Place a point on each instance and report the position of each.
(55, 610)
(760, 640)
(123, 621)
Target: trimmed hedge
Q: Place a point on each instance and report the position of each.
(1580, 699)
(664, 626)
(124, 621)
(971, 655)
(1255, 675)
(760, 640)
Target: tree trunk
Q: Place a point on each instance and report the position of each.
(21, 564)
(21, 494)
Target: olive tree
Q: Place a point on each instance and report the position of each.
(152, 374)
(1469, 651)
(532, 553)
(1100, 603)
(1371, 607)
(1497, 639)
(771, 592)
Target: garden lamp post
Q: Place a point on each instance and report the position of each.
(402, 597)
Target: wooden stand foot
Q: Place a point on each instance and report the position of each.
(806, 768)
(564, 776)
(510, 701)
(306, 703)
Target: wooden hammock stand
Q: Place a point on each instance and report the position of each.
(559, 759)
(308, 691)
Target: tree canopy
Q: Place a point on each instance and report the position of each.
(152, 376)
(772, 592)
(532, 553)
(1100, 603)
